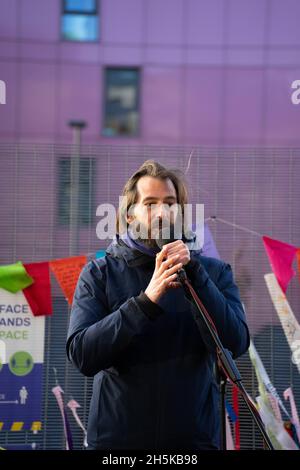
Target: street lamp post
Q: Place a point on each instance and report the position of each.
(77, 127)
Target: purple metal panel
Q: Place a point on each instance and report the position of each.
(165, 22)
(8, 73)
(204, 56)
(283, 57)
(40, 20)
(81, 52)
(37, 99)
(243, 118)
(8, 49)
(162, 103)
(160, 56)
(203, 91)
(284, 23)
(44, 52)
(122, 22)
(253, 58)
(8, 19)
(80, 98)
(205, 22)
(246, 22)
(121, 56)
(282, 117)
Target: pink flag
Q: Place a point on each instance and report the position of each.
(281, 256)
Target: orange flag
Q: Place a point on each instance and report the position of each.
(67, 272)
(281, 256)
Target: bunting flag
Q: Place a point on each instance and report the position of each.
(73, 405)
(21, 364)
(275, 429)
(67, 271)
(229, 439)
(255, 359)
(281, 256)
(13, 277)
(288, 395)
(277, 433)
(230, 414)
(276, 409)
(235, 402)
(286, 316)
(58, 391)
(38, 295)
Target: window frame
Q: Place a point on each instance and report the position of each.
(79, 12)
(65, 11)
(136, 68)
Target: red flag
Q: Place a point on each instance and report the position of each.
(38, 295)
(67, 272)
(281, 256)
(235, 402)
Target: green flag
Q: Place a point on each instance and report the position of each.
(13, 277)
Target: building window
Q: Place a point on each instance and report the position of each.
(79, 20)
(86, 210)
(121, 102)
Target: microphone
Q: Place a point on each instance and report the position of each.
(165, 238)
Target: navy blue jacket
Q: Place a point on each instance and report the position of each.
(153, 367)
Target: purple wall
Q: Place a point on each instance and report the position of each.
(214, 72)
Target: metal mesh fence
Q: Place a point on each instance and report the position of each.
(250, 191)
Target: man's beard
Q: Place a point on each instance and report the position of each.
(159, 230)
(148, 242)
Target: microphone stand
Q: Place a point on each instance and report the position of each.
(227, 366)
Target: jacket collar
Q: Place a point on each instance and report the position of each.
(119, 249)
